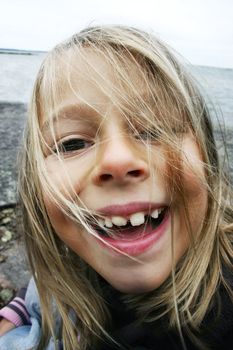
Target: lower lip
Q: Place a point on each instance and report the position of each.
(139, 245)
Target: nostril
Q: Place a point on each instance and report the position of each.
(135, 173)
(132, 173)
(105, 177)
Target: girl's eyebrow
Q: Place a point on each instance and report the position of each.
(76, 111)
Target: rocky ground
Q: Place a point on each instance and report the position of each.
(13, 267)
(14, 271)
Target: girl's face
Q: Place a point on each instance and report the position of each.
(108, 168)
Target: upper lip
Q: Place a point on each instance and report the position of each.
(129, 208)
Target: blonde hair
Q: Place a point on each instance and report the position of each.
(71, 284)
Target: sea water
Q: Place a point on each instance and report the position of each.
(18, 71)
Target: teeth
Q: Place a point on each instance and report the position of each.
(119, 221)
(108, 222)
(101, 222)
(155, 213)
(137, 219)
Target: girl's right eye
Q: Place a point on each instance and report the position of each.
(72, 145)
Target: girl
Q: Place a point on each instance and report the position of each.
(127, 215)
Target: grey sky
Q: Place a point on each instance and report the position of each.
(201, 30)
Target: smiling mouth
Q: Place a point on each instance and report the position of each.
(131, 229)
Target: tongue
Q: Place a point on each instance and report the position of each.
(131, 232)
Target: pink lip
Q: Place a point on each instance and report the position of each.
(139, 245)
(129, 208)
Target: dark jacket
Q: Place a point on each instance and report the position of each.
(216, 331)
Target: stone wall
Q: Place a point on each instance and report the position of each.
(12, 120)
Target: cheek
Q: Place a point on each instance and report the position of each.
(66, 176)
(194, 184)
(68, 179)
(57, 219)
(193, 171)
(62, 185)
(68, 231)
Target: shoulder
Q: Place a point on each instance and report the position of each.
(25, 336)
(32, 300)
(217, 326)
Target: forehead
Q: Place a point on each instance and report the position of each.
(95, 78)
(87, 83)
(102, 81)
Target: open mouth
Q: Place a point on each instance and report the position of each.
(137, 226)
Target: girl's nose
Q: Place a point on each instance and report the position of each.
(120, 163)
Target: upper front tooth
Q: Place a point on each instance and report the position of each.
(155, 213)
(137, 219)
(119, 221)
(108, 222)
(101, 222)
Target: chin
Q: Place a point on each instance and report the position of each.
(134, 286)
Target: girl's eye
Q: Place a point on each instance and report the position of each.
(149, 135)
(72, 145)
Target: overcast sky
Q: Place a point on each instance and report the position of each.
(201, 30)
